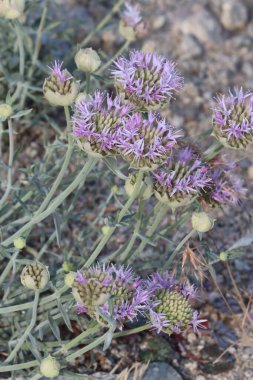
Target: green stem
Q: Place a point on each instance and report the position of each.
(28, 329)
(101, 339)
(21, 49)
(125, 253)
(122, 213)
(28, 305)
(120, 51)
(161, 212)
(17, 367)
(63, 168)
(87, 83)
(8, 267)
(55, 203)
(35, 53)
(10, 164)
(74, 342)
(179, 246)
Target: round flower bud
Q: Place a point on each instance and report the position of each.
(67, 266)
(50, 367)
(69, 279)
(35, 276)
(5, 111)
(127, 31)
(12, 9)
(87, 60)
(146, 188)
(82, 96)
(223, 256)
(60, 88)
(19, 243)
(202, 222)
(114, 189)
(106, 230)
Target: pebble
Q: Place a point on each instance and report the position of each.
(161, 371)
(234, 15)
(250, 172)
(201, 24)
(190, 47)
(159, 22)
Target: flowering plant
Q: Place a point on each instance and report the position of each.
(75, 271)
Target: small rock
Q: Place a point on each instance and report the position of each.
(250, 172)
(201, 24)
(190, 47)
(234, 15)
(200, 377)
(161, 371)
(102, 376)
(158, 22)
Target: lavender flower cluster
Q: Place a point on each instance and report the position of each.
(115, 292)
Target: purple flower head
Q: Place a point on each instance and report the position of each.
(147, 80)
(97, 123)
(226, 187)
(114, 290)
(233, 119)
(168, 307)
(131, 25)
(131, 15)
(183, 177)
(146, 143)
(60, 88)
(60, 74)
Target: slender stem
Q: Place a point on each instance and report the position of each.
(28, 329)
(63, 168)
(8, 267)
(100, 25)
(74, 342)
(161, 212)
(21, 49)
(35, 53)
(120, 51)
(179, 246)
(28, 305)
(122, 213)
(17, 367)
(16, 206)
(10, 164)
(55, 203)
(125, 253)
(87, 83)
(101, 339)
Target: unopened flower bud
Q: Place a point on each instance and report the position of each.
(67, 266)
(223, 256)
(202, 222)
(126, 31)
(87, 60)
(146, 189)
(35, 276)
(60, 88)
(69, 279)
(19, 243)
(106, 230)
(82, 96)
(114, 189)
(5, 111)
(12, 9)
(50, 367)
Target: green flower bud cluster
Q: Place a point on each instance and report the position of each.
(176, 308)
